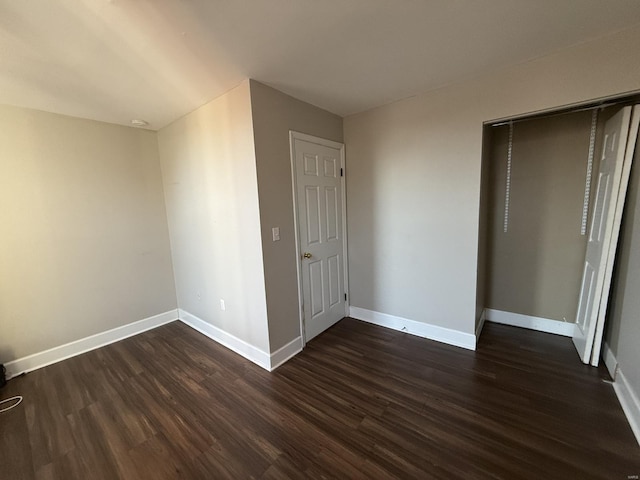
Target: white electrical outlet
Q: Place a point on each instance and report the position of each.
(222, 305)
(275, 231)
(198, 295)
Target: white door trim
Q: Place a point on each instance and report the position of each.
(293, 136)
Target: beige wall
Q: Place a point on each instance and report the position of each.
(414, 176)
(274, 114)
(84, 245)
(623, 319)
(211, 191)
(535, 268)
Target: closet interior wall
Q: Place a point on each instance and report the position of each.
(535, 267)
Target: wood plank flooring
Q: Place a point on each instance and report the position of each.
(360, 402)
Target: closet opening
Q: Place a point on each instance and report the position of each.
(553, 187)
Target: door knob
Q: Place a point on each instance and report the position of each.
(306, 255)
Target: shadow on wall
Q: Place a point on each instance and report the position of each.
(6, 355)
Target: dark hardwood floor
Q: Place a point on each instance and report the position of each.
(360, 402)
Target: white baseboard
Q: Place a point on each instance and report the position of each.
(261, 358)
(609, 360)
(483, 317)
(540, 324)
(285, 353)
(77, 347)
(232, 342)
(413, 327)
(629, 402)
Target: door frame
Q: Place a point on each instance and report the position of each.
(293, 136)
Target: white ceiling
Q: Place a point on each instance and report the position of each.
(115, 60)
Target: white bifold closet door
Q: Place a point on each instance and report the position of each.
(613, 177)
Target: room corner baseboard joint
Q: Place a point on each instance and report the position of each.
(483, 317)
(256, 355)
(629, 402)
(609, 360)
(285, 353)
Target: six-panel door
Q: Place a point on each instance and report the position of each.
(319, 206)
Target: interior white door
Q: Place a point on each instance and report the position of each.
(319, 198)
(617, 221)
(600, 233)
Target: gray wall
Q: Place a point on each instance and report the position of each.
(623, 319)
(414, 177)
(274, 114)
(211, 191)
(535, 268)
(84, 245)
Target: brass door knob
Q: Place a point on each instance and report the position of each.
(306, 255)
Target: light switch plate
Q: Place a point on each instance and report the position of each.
(276, 233)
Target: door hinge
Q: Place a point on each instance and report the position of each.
(342, 172)
(345, 297)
